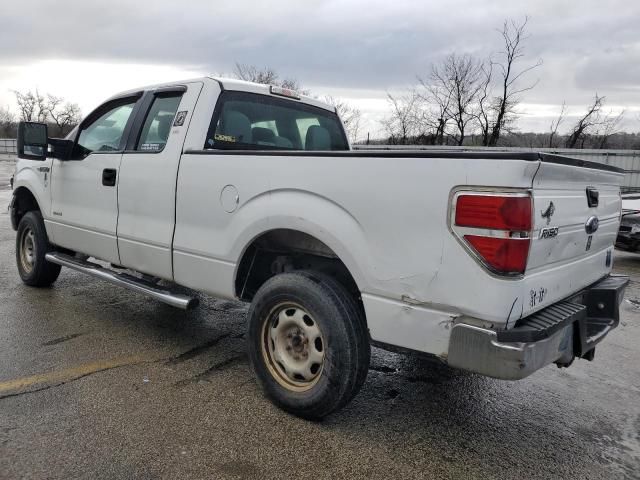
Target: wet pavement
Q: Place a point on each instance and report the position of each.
(97, 382)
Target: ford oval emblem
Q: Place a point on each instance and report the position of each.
(591, 225)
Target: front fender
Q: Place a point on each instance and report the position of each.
(27, 179)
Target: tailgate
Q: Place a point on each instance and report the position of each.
(576, 218)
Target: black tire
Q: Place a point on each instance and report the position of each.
(38, 272)
(345, 343)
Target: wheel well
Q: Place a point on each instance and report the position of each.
(24, 202)
(284, 250)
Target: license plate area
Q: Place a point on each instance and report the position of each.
(594, 312)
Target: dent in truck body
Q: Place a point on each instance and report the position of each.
(413, 327)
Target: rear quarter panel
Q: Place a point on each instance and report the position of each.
(386, 218)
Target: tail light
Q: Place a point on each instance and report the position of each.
(496, 228)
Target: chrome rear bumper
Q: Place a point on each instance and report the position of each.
(557, 334)
(478, 350)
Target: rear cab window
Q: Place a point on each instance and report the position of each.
(250, 121)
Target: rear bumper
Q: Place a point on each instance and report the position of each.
(557, 334)
(628, 240)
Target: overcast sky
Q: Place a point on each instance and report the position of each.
(358, 50)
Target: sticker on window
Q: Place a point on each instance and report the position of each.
(180, 117)
(225, 138)
(151, 147)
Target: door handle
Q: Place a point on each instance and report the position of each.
(109, 177)
(43, 169)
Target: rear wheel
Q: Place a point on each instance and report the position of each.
(308, 343)
(31, 246)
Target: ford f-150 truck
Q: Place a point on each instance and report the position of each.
(497, 263)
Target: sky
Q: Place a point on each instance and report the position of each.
(357, 50)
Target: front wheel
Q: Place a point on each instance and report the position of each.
(32, 245)
(308, 343)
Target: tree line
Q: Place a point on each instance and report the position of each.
(466, 100)
(61, 115)
(463, 100)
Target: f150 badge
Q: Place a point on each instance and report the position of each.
(549, 232)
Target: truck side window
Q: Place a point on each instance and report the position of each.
(157, 125)
(250, 121)
(104, 134)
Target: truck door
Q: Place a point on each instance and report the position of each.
(147, 184)
(84, 196)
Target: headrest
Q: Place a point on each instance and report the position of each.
(237, 125)
(164, 127)
(283, 142)
(318, 138)
(261, 134)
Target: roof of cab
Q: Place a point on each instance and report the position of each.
(231, 84)
(260, 88)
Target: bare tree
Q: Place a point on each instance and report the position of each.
(456, 82)
(485, 108)
(7, 122)
(585, 123)
(513, 36)
(266, 75)
(435, 115)
(555, 124)
(64, 114)
(35, 107)
(32, 106)
(349, 115)
(401, 123)
(610, 125)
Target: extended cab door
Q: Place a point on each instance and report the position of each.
(147, 186)
(84, 196)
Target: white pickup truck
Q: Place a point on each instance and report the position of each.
(497, 263)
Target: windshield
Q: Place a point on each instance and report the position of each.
(248, 121)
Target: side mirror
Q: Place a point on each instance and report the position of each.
(32, 140)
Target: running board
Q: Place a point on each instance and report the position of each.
(123, 280)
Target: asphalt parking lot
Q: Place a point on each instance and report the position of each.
(97, 382)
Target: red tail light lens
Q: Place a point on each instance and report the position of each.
(494, 212)
(505, 251)
(505, 255)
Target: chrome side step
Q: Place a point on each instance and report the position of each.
(124, 280)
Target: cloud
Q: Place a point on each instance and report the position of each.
(355, 47)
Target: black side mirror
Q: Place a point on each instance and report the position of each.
(60, 148)
(32, 140)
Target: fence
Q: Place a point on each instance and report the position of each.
(7, 146)
(628, 160)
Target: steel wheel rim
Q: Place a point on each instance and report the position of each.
(28, 250)
(293, 347)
